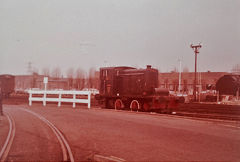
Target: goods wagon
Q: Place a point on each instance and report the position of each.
(135, 89)
(228, 85)
(7, 84)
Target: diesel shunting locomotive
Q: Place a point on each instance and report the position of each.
(136, 89)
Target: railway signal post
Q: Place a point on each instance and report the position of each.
(196, 51)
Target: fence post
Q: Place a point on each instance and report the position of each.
(59, 99)
(89, 100)
(74, 100)
(44, 97)
(30, 97)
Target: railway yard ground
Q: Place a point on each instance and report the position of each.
(208, 110)
(194, 133)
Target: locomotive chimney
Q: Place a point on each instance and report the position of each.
(149, 66)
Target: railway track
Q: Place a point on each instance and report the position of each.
(210, 116)
(225, 117)
(65, 147)
(9, 140)
(66, 150)
(203, 110)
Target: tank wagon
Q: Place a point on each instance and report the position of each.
(228, 85)
(7, 84)
(135, 89)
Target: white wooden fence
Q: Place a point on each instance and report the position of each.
(60, 98)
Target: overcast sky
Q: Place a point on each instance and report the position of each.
(95, 33)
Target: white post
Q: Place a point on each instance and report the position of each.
(89, 100)
(74, 100)
(45, 81)
(59, 99)
(44, 98)
(30, 98)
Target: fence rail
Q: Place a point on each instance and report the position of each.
(60, 97)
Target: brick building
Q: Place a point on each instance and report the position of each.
(23, 82)
(171, 80)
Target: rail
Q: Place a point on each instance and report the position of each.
(61, 98)
(66, 150)
(9, 140)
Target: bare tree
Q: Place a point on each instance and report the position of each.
(185, 69)
(92, 78)
(45, 71)
(175, 70)
(34, 79)
(80, 79)
(97, 79)
(70, 76)
(70, 73)
(56, 72)
(236, 69)
(35, 70)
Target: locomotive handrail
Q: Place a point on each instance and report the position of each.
(59, 99)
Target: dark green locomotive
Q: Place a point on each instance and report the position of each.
(135, 89)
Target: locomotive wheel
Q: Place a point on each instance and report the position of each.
(135, 105)
(118, 104)
(109, 104)
(146, 106)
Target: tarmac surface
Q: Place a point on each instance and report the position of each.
(126, 135)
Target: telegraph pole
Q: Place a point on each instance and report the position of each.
(196, 51)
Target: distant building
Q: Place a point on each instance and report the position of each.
(204, 80)
(23, 82)
(55, 83)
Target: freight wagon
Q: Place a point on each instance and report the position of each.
(7, 84)
(135, 89)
